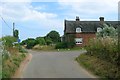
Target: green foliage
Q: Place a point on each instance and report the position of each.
(104, 48)
(10, 65)
(11, 58)
(54, 35)
(24, 42)
(105, 45)
(108, 31)
(8, 41)
(51, 38)
(21, 49)
(40, 41)
(105, 70)
(16, 34)
(5, 55)
(30, 43)
(48, 40)
(63, 45)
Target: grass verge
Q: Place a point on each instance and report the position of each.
(10, 65)
(101, 68)
(52, 48)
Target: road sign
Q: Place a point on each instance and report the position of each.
(19, 40)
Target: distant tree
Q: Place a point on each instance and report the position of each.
(54, 36)
(48, 40)
(24, 42)
(16, 34)
(40, 41)
(30, 43)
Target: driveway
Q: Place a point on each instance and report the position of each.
(55, 65)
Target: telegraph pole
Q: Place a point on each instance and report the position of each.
(13, 28)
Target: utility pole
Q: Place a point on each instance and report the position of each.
(13, 28)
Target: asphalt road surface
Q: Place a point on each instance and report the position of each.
(55, 65)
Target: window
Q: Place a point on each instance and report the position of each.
(78, 30)
(78, 40)
(99, 29)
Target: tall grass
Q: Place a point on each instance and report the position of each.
(11, 56)
(104, 48)
(11, 63)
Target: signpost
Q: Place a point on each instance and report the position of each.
(19, 40)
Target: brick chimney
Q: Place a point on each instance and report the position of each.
(101, 19)
(77, 18)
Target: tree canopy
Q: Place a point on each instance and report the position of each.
(54, 36)
(108, 30)
(40, 41)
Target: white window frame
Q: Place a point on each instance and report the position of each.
(78, 30)
(99, 29)
(79, 40)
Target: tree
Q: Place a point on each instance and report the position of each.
(40, 41)
(108, 30)
(48, 40)
(54, 36)
(30, 42)
(16, 34)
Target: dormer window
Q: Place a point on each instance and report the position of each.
(99, 29)
(78, 30)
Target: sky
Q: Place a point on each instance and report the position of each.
(39, 17)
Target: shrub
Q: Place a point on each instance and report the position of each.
(40, 41)
(105, 48)
(108, 30)
(63, 45)
(30, 43)
(48, 40)
(8, 41)
(105, 70)
(21, 49)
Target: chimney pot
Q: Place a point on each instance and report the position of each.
(77, 18)
(101, 18)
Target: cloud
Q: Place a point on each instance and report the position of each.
(24, 12)
(89, 8)
(29, 20)
(38, 19)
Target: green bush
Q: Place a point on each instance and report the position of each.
(40, 41)
(105, 48)
(48, 40)
(108, 30)
(63, 45)
(8, 41)
(22, 50)
(30, 43)
(105, 70)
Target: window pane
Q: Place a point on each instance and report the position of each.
(78, 29)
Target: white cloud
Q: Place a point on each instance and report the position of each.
(90, 7)
(24, 12)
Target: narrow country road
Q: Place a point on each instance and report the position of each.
(54, 65)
